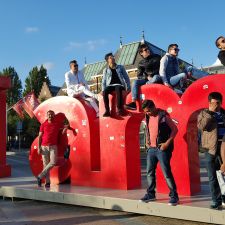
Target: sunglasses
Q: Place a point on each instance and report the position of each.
(176, 49)
(75, 65)
(145, 50)
(222, 41)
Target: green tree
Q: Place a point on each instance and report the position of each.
(30, 131)
(15, 92)
(35, 80)
(181, 66)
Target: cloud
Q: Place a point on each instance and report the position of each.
(90, 45)
(47, 65)
(31, 29)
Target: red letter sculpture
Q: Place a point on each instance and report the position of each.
(106, 153)
(5, 170)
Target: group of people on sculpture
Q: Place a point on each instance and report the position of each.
(151, 69)
(161, 130)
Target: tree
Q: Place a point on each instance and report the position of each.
(30, 131)
(35, 80)
(181, 66)
(15, 92)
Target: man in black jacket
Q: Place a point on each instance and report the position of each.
(220, 43)
(148, 72)
(160, 134)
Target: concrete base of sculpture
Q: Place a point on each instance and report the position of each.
(23, 184)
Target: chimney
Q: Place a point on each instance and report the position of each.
(121, 43)
(143, 37)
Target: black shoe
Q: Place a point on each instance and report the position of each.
(216, 205)
(121, 112)
(39, 182)
(106, 114)
(173, 201)
(148, 198)
(47, 185)
(131, 106)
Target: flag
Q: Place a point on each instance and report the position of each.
(30, 103)
(18, 107)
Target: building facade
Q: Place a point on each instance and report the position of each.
(127, 55)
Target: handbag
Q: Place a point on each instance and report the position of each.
(221, 181)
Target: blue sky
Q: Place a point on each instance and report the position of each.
(54, 32)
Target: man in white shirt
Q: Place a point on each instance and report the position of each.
(77, 86)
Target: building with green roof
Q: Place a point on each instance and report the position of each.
(127, 55)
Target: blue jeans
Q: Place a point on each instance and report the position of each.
(135, 87)
(176, 79)
(212, 164)
(153, 156)
(156, 79)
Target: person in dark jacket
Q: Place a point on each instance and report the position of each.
(161, 131)
(220, 43)
(148, 72)
(211, 123)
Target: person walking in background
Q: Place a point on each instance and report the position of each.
(47, 143)
(160, 134)
(77, 86)
(148, 72)
(115, 78)
(211, 123)
(220, 43)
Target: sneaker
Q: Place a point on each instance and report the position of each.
(131, 106)
(148, 198)
(47, 185)
(173, 201)
(106, 114)
(223, 205)
(39, 181)
(216, 206)
(223, 201)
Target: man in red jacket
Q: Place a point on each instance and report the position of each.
(47, 143)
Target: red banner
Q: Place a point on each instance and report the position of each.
(18, 107)
(29, 103)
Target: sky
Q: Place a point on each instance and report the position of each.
(51, 33)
